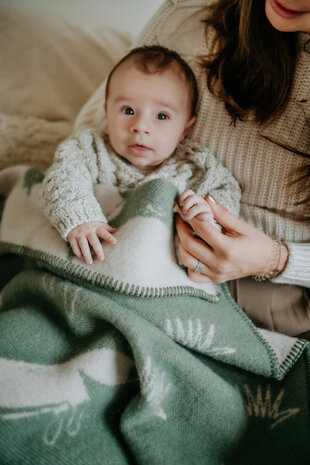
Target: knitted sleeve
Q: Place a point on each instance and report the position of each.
(67, 195)
(212, 177)
(297, 270)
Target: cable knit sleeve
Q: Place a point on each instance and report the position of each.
(212, 177)
(67, 195)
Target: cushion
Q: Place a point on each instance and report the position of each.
(50, 67)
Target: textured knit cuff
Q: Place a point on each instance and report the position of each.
(297, 270)
(78, 214)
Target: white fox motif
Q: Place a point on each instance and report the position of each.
(31, 389)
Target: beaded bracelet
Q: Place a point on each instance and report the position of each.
(272, 270)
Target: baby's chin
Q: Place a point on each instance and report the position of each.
(146, 167)
(142, 164)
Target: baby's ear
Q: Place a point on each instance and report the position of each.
(189, 125)
(190, 122)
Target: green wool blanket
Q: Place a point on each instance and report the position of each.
(127, 361)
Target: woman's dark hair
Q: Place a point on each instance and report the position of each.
(155, 59)
(251, 67)
(246, 73)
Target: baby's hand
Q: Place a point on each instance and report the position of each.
(86, 234)
(193, 205)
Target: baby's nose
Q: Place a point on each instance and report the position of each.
(140, 125)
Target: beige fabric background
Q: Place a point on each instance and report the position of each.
(50, 67)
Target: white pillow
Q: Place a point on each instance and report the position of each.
(49, 67)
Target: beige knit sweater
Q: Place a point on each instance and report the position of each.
(87, 159)
(262, 158)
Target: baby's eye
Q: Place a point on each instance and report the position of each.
(162, 116)
(128, 111)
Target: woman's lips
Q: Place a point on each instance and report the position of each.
(284, 12)
(138, 149)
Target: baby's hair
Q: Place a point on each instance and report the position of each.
(155, 59)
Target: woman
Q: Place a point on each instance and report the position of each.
(253, 70)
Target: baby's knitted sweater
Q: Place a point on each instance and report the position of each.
(263, 158)
(68, 197)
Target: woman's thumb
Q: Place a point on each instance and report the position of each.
(223, 216)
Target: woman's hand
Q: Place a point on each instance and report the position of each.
(240, 250)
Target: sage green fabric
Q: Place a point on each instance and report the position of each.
(96, 372)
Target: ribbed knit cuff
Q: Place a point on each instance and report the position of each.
(78, 214)
(297, 270)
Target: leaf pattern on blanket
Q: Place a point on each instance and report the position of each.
(154, 199)
(32, 177)
(267, 405)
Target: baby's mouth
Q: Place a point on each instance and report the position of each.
(139, 149)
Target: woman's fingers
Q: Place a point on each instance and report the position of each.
(200, 274)
(177, 209)
(191, 248)
(241, 250)
(207, 232)
(198, 277)
(226, 219)
(185, 232)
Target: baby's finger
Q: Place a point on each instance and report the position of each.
(75, 248)
(178, 209)
(85, 250)
(188, 202)
(96, 245)
(106, 235)
(110, 228)
(192, 200)
(198, 209)
(185, 194)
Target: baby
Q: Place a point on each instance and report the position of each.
(151, 98)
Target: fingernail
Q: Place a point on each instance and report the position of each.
(212, 199)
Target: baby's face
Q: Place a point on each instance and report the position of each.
(147, 114)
